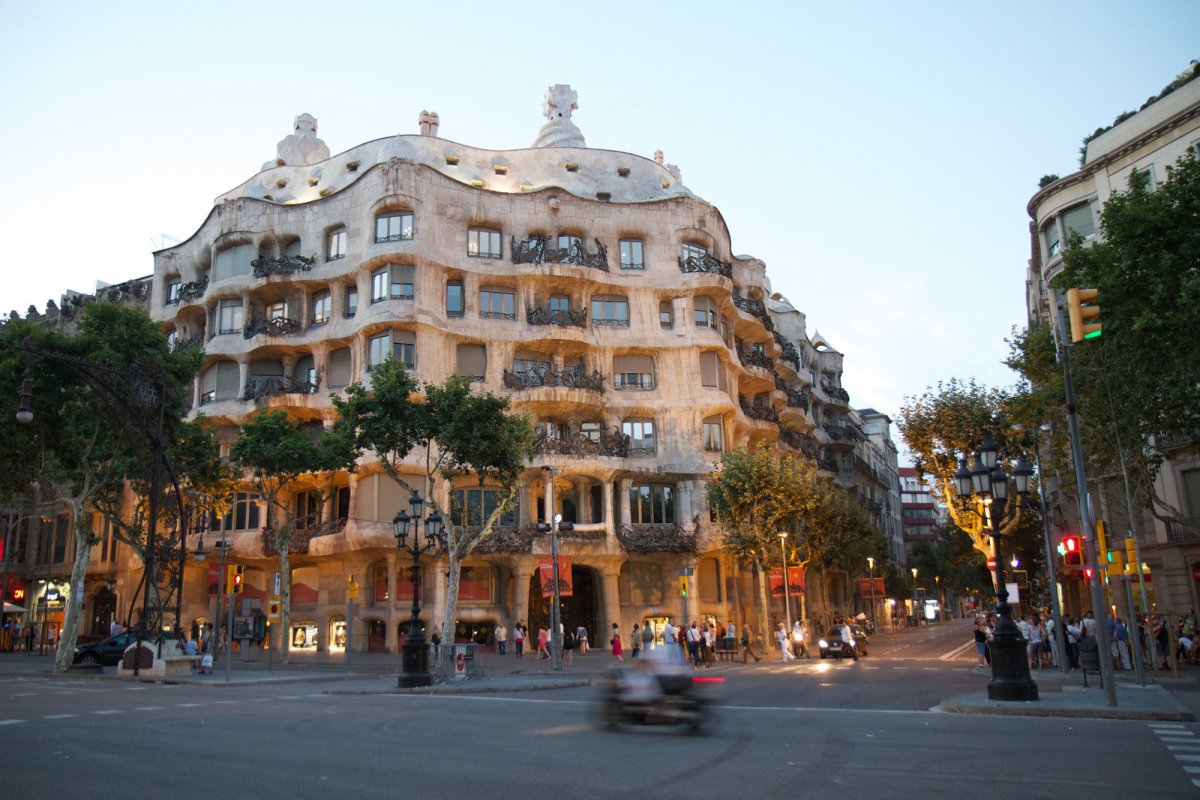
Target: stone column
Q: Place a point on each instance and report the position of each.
(625, 518)
(610, 525)
(243, 376)
(692, 604)
(390, 639)
(322, 614)
(522, 571)
(525, 503)
(433, 577)
(612, 608)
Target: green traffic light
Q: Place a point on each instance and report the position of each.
(1093, 335)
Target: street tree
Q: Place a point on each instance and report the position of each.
(839, 534)
(757, 493)
(275, 450)
(105, 403)
(456, 432)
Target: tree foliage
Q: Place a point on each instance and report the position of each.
(461, 432)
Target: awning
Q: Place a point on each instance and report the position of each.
(10, 608)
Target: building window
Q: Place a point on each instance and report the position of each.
(633, 372)
(232, 261)
(274, 311)
(706, 313)
(568, 240)
(394, 227)
(666, 314)
(309, 510)
(399, 343)
(712, 374)
(1051, 238)
(241, 516)
(472, 361)
(610, 310)
(173, 288)
(652, 504)
(483, 243)
(322, 306)
(454, 298)
(1079, 220)
(351, 301)
(336, 245)
(393, 282)
(496, 302)
(712, 434)
(474, 507)
(631, 254)
(230, 316)
(559, 303)
(590, 431)
(693, 250)
(641, 436)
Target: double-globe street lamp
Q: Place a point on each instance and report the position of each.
(989, 484)
(415, 657)
(871, 577)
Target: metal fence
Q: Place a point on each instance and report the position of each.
(457, 662)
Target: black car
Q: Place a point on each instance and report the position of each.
(832, 646)
(106, 652)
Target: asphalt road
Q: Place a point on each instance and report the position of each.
(812, 729)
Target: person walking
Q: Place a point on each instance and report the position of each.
(647, 639)
(635, 640)
(848, 636)
(693, 644)
(581, 640)
(800, 638)
(501, 635)
(746, 651)
(981, 642)
(615, 643)
(543, 636)
(785, 649)
(1037, 633)
(568, 646)
(519, 639)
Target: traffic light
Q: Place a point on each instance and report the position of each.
(1083, 310)
(235, 574)
(1087, 576)
(683, 586)
(1131, 555)
(1103, 554)
(1072, 551)
(1116, 564)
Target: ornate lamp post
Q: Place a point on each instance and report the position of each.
(415, 658)
(989, 484)
(552, 526)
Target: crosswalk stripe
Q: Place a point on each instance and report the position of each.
(58, 716)
(1184, 757)
(107, 711)
(11, 721)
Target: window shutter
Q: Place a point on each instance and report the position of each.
(339, 367)
(472, 360)
(227, 380)
(710, 370)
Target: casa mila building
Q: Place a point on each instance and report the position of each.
(591, 286)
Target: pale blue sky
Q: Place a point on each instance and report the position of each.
(878, 156)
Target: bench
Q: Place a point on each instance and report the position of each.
(726, 648)
(177, 665)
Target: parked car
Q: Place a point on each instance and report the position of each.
(106, 652)
(832, 646)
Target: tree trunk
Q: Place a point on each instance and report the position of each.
(70, 629)
(285, 601)
(451, 597)
(762, 602)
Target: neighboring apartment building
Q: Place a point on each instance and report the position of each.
(918, 511)
(591, 285)
(1150, 140)
(880, 459)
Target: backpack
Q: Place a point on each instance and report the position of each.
(568, 641)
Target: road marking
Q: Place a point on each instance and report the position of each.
(1185, 757)
(955, 652)
(929, 669)
(58, 716)
(149, 708)
(25, 694)
(1191, 770)
(107, 711)
(1184, 747)
(189, 705)
(1184, 734)
(902, 669)
(297, 697)
(11, 721)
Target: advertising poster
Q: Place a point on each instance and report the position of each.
(546, 570)
(795, 582)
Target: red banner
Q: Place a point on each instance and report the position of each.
(864, 587)
(795, 582)
(546, 570)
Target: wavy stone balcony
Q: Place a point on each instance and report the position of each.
(763, 413)
(755, 358)
(554, 378)
(190, 291)
(276, 326)
(641, 538)
(539, 315)
(827, 464)
(521, 540)
(798, 441)
(301, 536)
(706, 264)
(537, 250)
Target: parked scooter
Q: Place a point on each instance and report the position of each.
(647, 693)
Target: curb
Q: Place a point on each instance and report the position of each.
(466, 689)
(1040, 708)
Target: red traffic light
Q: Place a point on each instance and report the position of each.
(1072, 550)
(1087, 576)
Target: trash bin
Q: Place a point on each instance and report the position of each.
(1089, 654)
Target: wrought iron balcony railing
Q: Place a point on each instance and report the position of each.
(797, 399)
(603, 443)
(282, 265)
(668, 538)
(548, 376)
(276, 326)
(539, 315)
(259, 386)
(756, 358)
(537, 250)
(765, 413)
(707, 264)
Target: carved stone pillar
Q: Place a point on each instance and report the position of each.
(243, 376)
(525, 494)
(692, 604)
(522, 572)
(390, 637)
(610, 526)
(612, 608)
(625, 518)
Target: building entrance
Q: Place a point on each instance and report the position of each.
(578, 609)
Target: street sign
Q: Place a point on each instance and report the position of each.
(991, 563)
(278, 585)
(273, 608)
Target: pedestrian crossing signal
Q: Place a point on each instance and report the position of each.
(683, 586)
(235, 577)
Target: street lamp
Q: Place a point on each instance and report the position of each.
(415, 658)
(871, 576)
(989, 485)
(214, 638)
(553, 524)
(787, 600)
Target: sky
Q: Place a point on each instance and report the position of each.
(878, 156)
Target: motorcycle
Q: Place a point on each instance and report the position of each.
(637, 696)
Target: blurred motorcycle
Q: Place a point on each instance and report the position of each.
(643, 695)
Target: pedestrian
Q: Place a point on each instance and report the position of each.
(693, 644)
(435, 641)
(501, 637)
(1037, 635)
(519, 638)
(785, 650)
(647, 639)
(615, 643)
(1074, 633)
(581, 640)
(543, 637)
(114, 627)
(707, 639)
(800, 635)
(746, 651)
(195, 629)
(848, 636)
(981, 642)
(1121, 646)
(635, 641)
(568, 646)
